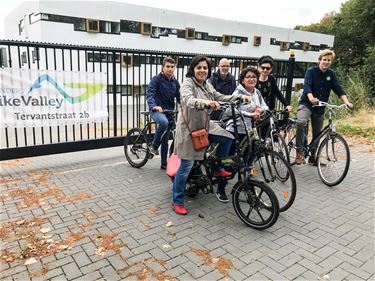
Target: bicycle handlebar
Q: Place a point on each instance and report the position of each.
(166, 111)
(331, 106)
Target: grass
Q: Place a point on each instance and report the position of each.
(360, 123)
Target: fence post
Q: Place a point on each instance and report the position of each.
(114, 92)
(289, 81)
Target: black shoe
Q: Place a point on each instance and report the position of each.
(153, 150)
(222, 197)
(163, 166)
(312, 160)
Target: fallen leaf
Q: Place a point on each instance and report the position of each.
(45, 230)
(169, 224)
(63, 247)
(20, 222)
(201, 216)
(9, 259)
(326, 277)
(30, 261)
(47, 236)
(166, 246)
(100, 251)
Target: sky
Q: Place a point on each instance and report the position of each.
(281, 13)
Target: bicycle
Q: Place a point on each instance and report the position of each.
(277, 142)
(333, 154)
(137, 143)
(253, 200)
(274, 169)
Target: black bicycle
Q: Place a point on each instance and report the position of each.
(333, 154)
(137, 143)
(272, 167)
(268, 129)
(253, 200)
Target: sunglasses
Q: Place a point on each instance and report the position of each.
(266, 68)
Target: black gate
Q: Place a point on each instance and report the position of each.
(128, 74)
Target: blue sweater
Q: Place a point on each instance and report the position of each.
(320, 85)
(162, 92)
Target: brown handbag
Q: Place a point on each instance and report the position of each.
(199, 137)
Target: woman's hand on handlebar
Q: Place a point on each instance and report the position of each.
(213, 105)
(289, 108)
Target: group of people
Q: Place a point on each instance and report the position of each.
(201, 90)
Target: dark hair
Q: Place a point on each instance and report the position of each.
(168, 59)
(245, 71)
(193, 64)
(265, 59)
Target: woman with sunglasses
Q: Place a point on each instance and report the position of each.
(267, 84)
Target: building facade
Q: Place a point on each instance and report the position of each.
(121, 25)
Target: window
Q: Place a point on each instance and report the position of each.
(198, 35)
(79, 24)
(305, 46)
(190, 33)
(130, 26)
(92, 25)
(146, 28)
(23, 58)
(126, 60)
(3, 57)
(284, 46)
(21, 27)
(225, 40)
(257, 40)
(35, 54)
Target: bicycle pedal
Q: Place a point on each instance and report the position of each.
(150, 156)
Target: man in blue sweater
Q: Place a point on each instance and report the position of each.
(162, 91)
(319, 81)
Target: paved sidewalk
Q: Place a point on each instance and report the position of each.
(90, 216)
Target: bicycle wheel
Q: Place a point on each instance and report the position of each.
(255, 203)
(278, 174)
(333, 160)
(290, 141)
(136, 148)
(280, 146)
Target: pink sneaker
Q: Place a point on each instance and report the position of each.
(179, 209)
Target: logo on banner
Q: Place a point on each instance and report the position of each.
(29, 98)
(91, 88)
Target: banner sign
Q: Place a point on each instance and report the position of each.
(35, 98)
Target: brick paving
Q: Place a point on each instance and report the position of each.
(119, 216)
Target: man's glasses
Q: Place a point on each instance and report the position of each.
(251, 77)
(266, 68)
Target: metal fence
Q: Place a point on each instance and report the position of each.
(128, 74)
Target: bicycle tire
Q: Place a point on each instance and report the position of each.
(257, 197)
(331, 156)
(290, 141)
(280, 146)
(136, 148)
(278, 174)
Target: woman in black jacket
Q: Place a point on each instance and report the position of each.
(267, 84)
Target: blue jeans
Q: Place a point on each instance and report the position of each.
(224, 144)
(222, 151)
(164, 124)
(179, 182)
